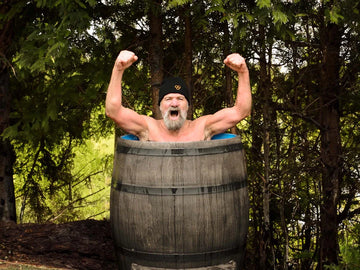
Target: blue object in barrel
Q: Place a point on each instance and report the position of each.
(223, 136)
(130, 137)
(220, 136)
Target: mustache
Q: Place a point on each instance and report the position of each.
(173, 108)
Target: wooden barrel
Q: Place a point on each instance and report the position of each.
(179, 205)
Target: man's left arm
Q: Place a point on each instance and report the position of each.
(229, 117)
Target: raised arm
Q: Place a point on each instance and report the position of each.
(125, 118)
(229, 117)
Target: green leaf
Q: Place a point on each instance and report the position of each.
(92, 3)
(263, 3)
(176, 3)
(52, 110)
(335, 15)
(279, 17)
(249, 17)
(11, 131)
(81, 4)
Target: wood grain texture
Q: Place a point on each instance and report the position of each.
(182, 205)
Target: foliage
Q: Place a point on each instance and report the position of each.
(62, 60)
(349, 249)
(64, 184)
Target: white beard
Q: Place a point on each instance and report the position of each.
(174, 124)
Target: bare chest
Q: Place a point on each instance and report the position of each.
(191, 131)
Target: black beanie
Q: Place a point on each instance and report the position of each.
(173, 85)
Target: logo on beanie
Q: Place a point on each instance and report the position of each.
(177, 87)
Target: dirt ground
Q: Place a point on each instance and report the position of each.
(83, 244)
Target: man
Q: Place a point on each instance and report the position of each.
(174, 103)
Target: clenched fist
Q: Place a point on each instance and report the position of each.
(236, 62)
(125, 60)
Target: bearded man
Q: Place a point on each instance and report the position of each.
(174, 102)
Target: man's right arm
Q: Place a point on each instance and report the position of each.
(125, 118)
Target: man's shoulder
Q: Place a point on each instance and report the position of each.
(200, 121)
(200, 118)
(152, 124)
(147, 118)
(203, 124)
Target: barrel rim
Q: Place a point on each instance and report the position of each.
(178, 145)
(178, 151)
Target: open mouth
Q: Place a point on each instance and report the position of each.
(174, 113)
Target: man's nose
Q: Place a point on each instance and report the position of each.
(174, 103)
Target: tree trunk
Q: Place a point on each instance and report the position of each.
(7, 198)
(284, 193)
(330, 143)
(156, 54)
(188, 55)
(7, 156)
(266, 258)
(255, 165)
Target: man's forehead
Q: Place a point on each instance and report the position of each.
(174, 95)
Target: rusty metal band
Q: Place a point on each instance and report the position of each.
(180, 191)
(178, 152)
(178, 258)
